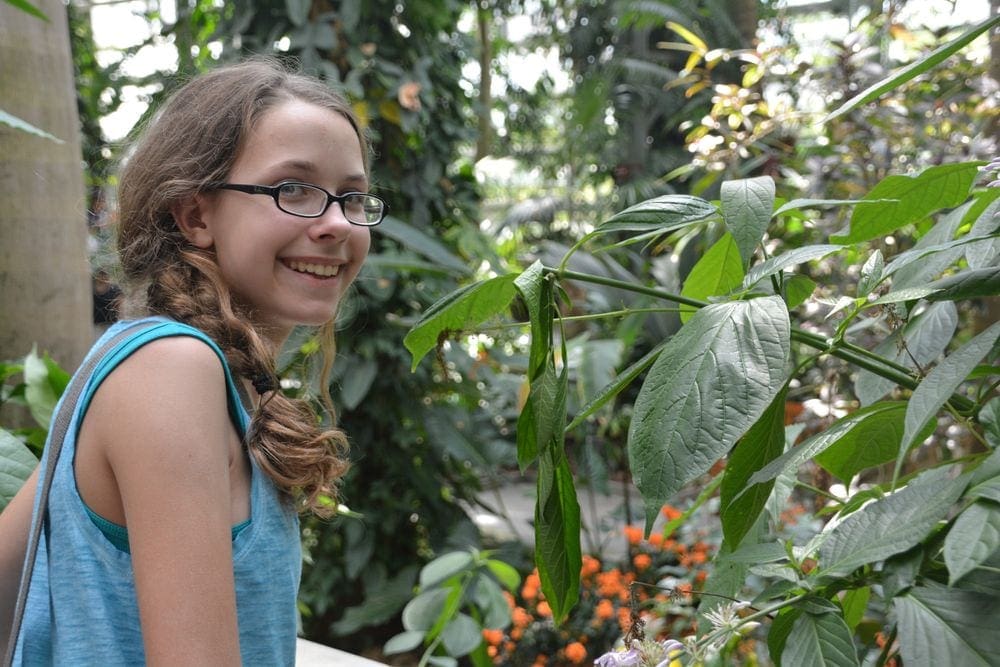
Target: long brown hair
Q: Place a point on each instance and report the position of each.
(191, 142)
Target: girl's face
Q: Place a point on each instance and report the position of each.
(289, 270)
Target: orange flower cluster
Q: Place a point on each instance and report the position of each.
(603, 613)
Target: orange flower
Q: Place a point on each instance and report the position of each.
(492, 651)
(576, 653)
(493, 637)
(634, 534)
(590, 567)
(624, 619)
(609, 584)
(656, 539)
(670, 512)
(684, 589)
(520, 618)
(700, 576)
(642, 562)
(604, 610)
(543, 609)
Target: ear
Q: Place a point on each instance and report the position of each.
(189, 219)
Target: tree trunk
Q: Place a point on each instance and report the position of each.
(45, 288)
(485, 139)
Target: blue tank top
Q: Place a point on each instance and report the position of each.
(81, 607)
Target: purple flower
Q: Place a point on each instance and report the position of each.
(629, 658)
(670, 647)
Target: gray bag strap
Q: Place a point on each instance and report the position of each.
(60, 424)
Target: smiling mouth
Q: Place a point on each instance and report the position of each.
(320, 270)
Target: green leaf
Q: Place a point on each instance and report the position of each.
(989, 489)
(942, 186)
(39, 392)
(491, 602)
(712, 381)
(461, 635)
(917, 273)
(746, 209)
(781, 627)
(851, 429)
(872, 442)
(557, 533)
(26, 6)
(785, 261)
(718, 271)
(871, 273)
(948, 252)
(18, 124)
(595, 362)
(461, 310)
(615, 387)
(972, 284)
(356, 380)
(504, 573)
(974, 537)
(797, 204)
(798, 288)
(947, 626)
(16, 465)
(542, 423)
(536, 292)
(983, 255)
(442, 661)
(411, 238)
(912, 70)
(890, 525)
(926, 335)
(444, 567)
(940, 383)
(403, 642)
(905, 294)
(989, 417)
(423, 611)
(662, 214)
(855, 603)
(819, 640)
(764, 442)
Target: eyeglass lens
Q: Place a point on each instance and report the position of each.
(311, 201)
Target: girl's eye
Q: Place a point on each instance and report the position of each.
(296, 191)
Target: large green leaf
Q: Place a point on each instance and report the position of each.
(940, 383)
(787, 260)
(913, 70)
(948, 626)
(712, 381)
(890, 525)
(923, 339)
(461, 310)
(747, 205)
(423, 611)
(974, 537)
(918, 273)
(872, 443)
(557, 533)
(984, 254)
(536, 292)
(16, 464)
(764, 442)
(820, 640)
(661, 214)
(443, 567)
(938, 187)
(461, 635)
(718, 271)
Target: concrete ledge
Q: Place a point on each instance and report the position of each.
(311, 654)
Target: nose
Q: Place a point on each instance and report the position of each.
(331, 226)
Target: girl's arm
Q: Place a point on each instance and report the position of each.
(15, 522)
(163, 422)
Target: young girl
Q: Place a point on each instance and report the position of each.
(171, 534)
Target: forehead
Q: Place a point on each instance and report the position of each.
(294, 132)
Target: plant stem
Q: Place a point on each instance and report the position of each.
(852, 354)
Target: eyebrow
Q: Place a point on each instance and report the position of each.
(309, 166)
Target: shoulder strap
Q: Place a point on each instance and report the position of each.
(60, 424)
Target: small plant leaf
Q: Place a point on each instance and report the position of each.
(942, 186)
(423, 611)
(404, 641)
(461, 310)
(787, 260)
(662, 214)
(947, 626)
(820, 640)
(798, 288)
(890, 525)
(747, 205)
(871, 273)
(972, 284)
(461, 636)
(712, 381)
(16, 464)
(557, 533)
(40, 392)
(940, 383)
(718, 271)
(505, 574)
(764, 442)
(973, 538)
(874, 442)
(444, 567)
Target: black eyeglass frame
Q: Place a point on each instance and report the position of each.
(275, 190)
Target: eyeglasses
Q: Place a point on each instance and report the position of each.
(312, 201)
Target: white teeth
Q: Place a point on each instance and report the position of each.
(322, 270)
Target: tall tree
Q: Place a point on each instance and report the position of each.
(45, 294)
